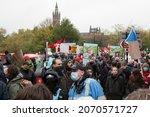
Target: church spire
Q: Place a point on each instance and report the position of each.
(56, 16)
(56, 9)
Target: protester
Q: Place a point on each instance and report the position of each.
(16, 82)
(27, 73)
(131, 64)
(61, 84)
(146, 73)
(52, 81)
(124, 69)
(2, 74)
(84, 87)
(1, 65)
(89, 72)
(136, 81)
(68, 69)
(148, 61)
(115, 85)
(8, 58)
(103, 72)
(3, 91)
(27, 59)
(92, 63)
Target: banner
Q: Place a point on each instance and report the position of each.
(133, 44)
(116, 51)
(134, 50)
(90, 48)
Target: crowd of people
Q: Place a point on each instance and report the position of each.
(65, 77)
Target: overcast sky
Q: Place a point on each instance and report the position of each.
(23, 14)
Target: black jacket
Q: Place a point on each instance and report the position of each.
(115, 87)
(28, 75)
(3, 91)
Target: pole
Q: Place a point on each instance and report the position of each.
(94, 36)
(46, 51)
(126, 54)
(139, 61)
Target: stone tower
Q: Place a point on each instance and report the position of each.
(56, 16)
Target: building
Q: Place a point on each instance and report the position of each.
(56, 16)
(94, 36)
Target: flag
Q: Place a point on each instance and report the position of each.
(54, 45)
(59, 41)
(133, 45)
(106, 50)
(132, 36)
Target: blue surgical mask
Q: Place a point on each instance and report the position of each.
(74, 76)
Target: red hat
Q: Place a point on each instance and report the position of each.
(38, 80)
(78, 59)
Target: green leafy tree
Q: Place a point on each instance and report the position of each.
(67, 31)
(2, 33)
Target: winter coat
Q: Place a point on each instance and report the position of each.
(14, 86)
(115, 87)
(2, 77)
(3, 91)
(89, 88)
(147, 79)
(132, 86)
(1, 66)
(60, 82)
(28, 75)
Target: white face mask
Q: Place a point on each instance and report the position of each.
(145, 69)
(74, 76)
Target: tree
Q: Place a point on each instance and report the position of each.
(67, 31)
(118, 29)
(2, 33)
(46, 23)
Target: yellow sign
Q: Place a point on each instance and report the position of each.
(73, 49)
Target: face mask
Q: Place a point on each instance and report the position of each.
(91, 62)
(58, 69)
(74, 76)
(145, 69)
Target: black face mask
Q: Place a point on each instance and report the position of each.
(91, 62)
(58, 70)
(68, 68)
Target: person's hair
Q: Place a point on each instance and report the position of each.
(113, 67)
(88, 67)
(137, 74)
(140, 94)
(35, 92)
(6, 52)
(12, 72)
(114, 63)
(54, 61)
(123, 63)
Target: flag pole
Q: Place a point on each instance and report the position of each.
(139, 61)
(46, 53)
